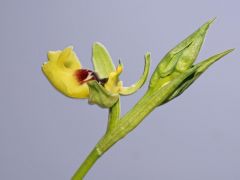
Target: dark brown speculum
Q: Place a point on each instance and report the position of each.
(85, 75)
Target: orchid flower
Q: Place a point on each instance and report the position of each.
(102, 86)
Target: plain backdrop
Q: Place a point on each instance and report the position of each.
(46, 136)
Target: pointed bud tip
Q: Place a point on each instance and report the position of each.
(228, 51)
(211, 20)
(206, 25)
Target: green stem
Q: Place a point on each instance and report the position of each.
(128, 122)
(86, 165)
(124, 125)
(113, 115)
(153, 98)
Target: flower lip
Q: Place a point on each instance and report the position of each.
(85, 75)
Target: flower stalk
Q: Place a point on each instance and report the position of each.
(117, 129)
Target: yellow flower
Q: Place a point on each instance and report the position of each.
(65, 73)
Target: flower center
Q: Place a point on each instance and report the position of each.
(85, 75)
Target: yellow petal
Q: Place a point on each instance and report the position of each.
(113, 84)
(60, 71)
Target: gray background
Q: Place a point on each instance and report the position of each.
(45, 136)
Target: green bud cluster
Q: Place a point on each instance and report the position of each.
(177, 70)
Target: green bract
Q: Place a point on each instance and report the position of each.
(100, 96)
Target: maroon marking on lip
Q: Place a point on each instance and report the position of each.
(85, 75)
